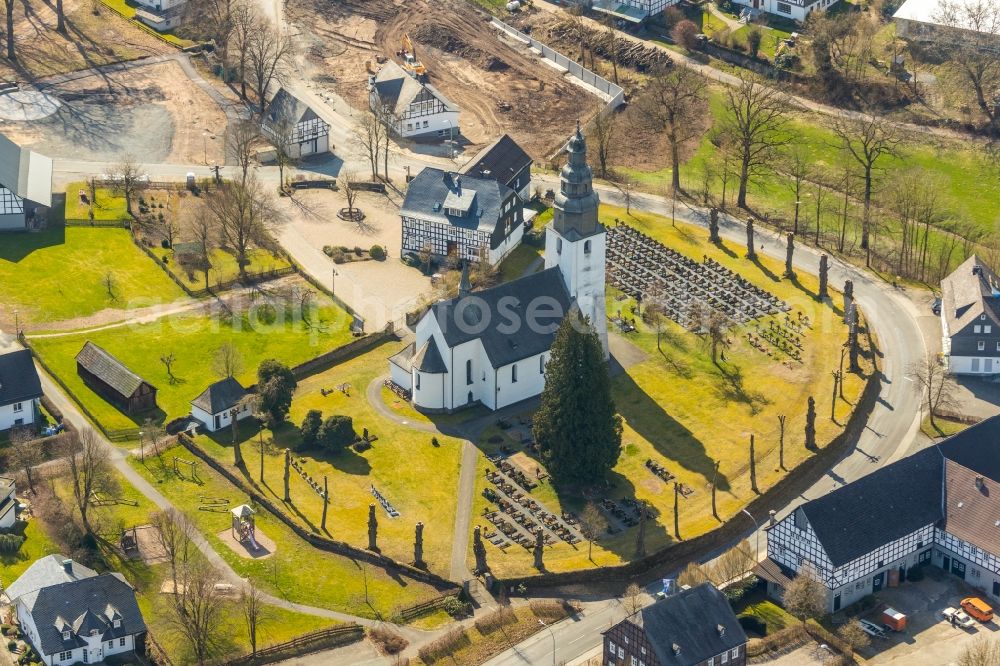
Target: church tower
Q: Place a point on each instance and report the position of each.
(576, 240)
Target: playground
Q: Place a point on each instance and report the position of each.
(243, 537)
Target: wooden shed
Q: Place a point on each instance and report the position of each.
(114, 382)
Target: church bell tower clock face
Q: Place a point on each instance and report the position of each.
(576, 241)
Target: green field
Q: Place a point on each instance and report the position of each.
(37, 543)
(59, 274)
(296, 571)
(224, 267)
(673, 401)
(106, 205)
(420, 479)
(278, 624)
(194, 340)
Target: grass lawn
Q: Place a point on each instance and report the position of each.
(224, 267)
(59, 273)
(943, 427)
(418, 478)
(106, 205)
(296, 571)
(773, 615)
(194, 340)
(37, 543)
(518, 261)
(279, 625)
(673, 401)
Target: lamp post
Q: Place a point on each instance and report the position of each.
(204, 142)
(333, 280)
(142, 453)
(542, 622)
(756, 531)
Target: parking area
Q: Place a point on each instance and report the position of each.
(929, 638)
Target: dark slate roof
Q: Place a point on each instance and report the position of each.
(977, 448)
(286, 106)
(220, 396)
(427, 193)
(87, 605)
(404, 357)
(398, 89)
(851, 520)
(684, 629)
(44, 571)
(428, 359)
(18, 378)
(971, 290)
(101, 364)
(487, 315)
(501, 160)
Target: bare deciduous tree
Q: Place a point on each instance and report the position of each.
(975, 28)
(798, 167)
(603, 133)
(267, 54)
(245, 140)
(254, 612)
(243, 24)
(805, 596)
(228, 360)
(369, 135)
(174, 532)
(755, 120)
(675, 99)
(9, 11)
(24, 454)
(592, 524)
(203, 229)
(935, 385)
(982, 652)
(632, 599)
(196, 614)
(244, 215)
(350, 190)
(854, 635)
(90, 472)
(867, 142)
(127, 177)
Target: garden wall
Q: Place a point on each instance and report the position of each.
(323, 543)
(673, 557)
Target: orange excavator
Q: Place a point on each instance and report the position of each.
(410, 62)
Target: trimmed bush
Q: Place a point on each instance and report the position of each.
(10, 543)
(491, 622)
(377, 252)
(551, 610)
(387, 640)
(444, 646)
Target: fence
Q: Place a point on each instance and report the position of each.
(413, 612)
(576, 70)
(110, 224)
(322, 543)
(155, 652)
(318, 640)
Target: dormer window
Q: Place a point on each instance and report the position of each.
(117, 624)
(66, 635)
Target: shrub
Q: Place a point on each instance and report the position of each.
(444, 645)
(435, 442)
(754, 38)
(551, 610)
(165, 244)
(684, 34)
(491, 622)
(10, 543)
(362, 445)
(337, 432)
(387, 641)
(358, 251)
(310, 428)
(328, 250)
(454, 607)
(753, 624)
(377, 252)
(338, 256)
(915, 573)
(11, 646)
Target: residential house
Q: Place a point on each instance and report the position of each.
(70, 614)
(20, 390)
(8, 503)
(290, 120)
(161, 15)
(505, 162)
(25, 185)
(796, 10)
(109, 378)
(472, 219)
(632, 11)
(935, 21)
(938, 506)
(970, 319)
(491, 346)
(217, 405)
(417, 110)
(695, 627)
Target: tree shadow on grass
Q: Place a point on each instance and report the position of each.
(731, 388)
(721, 244)
(668, 436)
(765, 270)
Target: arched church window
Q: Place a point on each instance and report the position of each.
(586, 247)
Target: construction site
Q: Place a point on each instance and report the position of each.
(498, 84)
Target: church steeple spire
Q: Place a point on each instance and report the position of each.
(576, 203)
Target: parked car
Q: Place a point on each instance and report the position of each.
(936, 308)
(871, 629)
(957, 617)
(978, 609)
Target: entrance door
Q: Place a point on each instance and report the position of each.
(987, 365)
(836, 602)
(902, 573)
(946, 563)
(996, 589)
(877, 582)
(958, 568)
(452, 248)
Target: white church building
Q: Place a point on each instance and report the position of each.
(491, 346)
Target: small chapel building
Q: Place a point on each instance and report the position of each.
(491, 346)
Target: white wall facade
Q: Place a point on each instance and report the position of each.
(530, 380)
(974, 365)
(18, 414)
(443, 125)
(783, 8)
(582, 264)
(224, 419)
(401, 376)
(317, 146)
(13, 222)
(496, 255)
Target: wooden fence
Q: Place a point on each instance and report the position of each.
(323, 639)
(108, 224)
(413, 612)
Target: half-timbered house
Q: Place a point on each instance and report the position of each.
(939, 506)
(415, 110)
(292, 123)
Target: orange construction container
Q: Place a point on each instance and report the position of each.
(893, 619)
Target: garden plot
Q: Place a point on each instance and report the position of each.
(153, 112)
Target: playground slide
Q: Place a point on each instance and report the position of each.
(253, 542)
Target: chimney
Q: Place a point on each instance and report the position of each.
(68, 566)
(721, 630)
(771, 520)
(676, 648)
(980, 483)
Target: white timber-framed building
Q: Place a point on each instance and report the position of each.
(293, 123)
(415, 110)
(25, 185)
